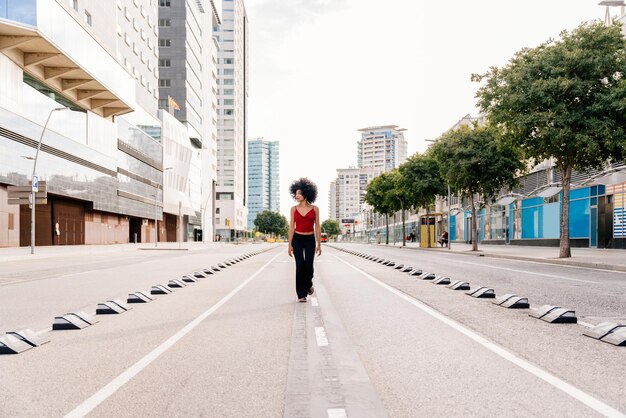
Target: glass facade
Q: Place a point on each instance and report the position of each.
(263, 179)
(22, 11)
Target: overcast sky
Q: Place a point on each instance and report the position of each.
(321, 69)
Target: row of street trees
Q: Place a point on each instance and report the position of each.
(563, 100)
(273, 223)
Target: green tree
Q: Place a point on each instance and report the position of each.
(398, 199)
(476, 165)
(331, 227)
(565, 100)
(377, 196)
(270, 222)
(421, 182)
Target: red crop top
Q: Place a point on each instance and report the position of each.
(304, 223)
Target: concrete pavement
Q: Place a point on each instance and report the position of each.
(609, 259)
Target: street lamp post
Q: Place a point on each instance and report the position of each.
(156, 225)
(32, 190)
(156, 210)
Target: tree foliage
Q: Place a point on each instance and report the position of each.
(378, 192)
(476, 165)
(565, 99)
(331, 227)
(379, 195)
(422, 180)
(270, 222)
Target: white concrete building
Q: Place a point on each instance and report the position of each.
(349, 192)
(231, 212)
(382, 147)
(188, 91)
(332, 200)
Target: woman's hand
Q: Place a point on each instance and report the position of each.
(290, 251)
(319, 249)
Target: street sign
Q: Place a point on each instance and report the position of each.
(35, 184)
(347, 221)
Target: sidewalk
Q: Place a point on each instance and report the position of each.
(609, 259)
(23, 253)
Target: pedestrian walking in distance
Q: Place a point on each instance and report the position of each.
(304, 234)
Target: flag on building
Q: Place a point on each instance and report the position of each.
(171, 104)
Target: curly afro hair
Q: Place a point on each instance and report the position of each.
(306, 187)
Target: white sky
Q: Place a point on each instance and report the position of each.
(321, 69)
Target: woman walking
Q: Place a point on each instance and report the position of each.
(304, 228)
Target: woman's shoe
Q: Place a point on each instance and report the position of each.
(302, 299)
(311, 290)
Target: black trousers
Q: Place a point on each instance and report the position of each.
(304, 253)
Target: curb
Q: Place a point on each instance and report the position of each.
(563, 262)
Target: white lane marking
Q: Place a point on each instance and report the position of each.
(562, 385)
(586, 324)
(337, 413)
(314, 302)
(320, 336)
(97, 398)
(527, 272)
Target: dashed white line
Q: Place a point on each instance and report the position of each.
(337, 413)
(97, 398)
(320, 336)
(562, 385)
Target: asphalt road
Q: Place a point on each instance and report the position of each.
(372, 341)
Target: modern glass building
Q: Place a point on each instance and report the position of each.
(263, 178)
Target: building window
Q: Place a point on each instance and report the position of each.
(229, 71)
(164, 62)
(164, 3)
(162, 103)
(228, 91)
(165, 23)
(229, 60)
(88, 17)
(75, 4)
(164, 82)
(165, 43)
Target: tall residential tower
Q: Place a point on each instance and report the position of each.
(382, 147)
(263, 178)
(231, 211)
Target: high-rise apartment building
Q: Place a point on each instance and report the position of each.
(349, 190)
(382, 147)
(188, 92)
(263, 178)
(231, 211)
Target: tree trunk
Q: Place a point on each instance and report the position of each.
(427, 227)
(566, 177)
(403, 230)
(474, 232)
(394, 228)
(387, 229)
